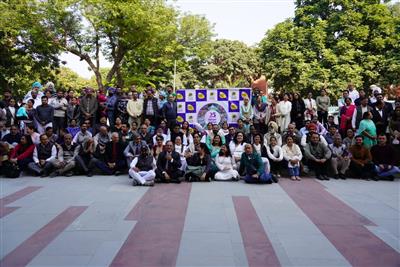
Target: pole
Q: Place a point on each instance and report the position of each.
(174, 76)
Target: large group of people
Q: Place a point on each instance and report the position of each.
(51, 133)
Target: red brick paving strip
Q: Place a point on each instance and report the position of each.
(4, 211)
(155, 239)
(343, 226)
(259, 250)
(31, 247)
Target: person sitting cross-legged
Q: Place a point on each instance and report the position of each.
(199, 165)
(226, 165)
(142, 168)
(384, 158)
(168, 165)
(114, 161)
(361, 165)
(43, 156)
(252, 167)
(66, 161)
(317, 155)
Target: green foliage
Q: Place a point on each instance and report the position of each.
(26, 54)
(231, 64)
(331, 43)
(67, 79)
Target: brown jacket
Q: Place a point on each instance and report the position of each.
(360, 154)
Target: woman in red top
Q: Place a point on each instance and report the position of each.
(346, 114)
(23, 152)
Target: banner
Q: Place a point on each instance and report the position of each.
(210, 105)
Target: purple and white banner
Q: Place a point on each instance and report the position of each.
(210, 105)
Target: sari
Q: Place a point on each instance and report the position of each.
(369, 127)
(346, 114)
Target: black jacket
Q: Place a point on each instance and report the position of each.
(120, 151)
(172, 166)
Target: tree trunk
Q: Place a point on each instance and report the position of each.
(95, 69)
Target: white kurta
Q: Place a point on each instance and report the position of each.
(226, 166)
(283, 109)
(236, 149)
(311, 108)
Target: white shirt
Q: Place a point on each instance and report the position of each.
(52, 157)
(354, 95)
(276, 154)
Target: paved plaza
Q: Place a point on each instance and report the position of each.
(104, 221)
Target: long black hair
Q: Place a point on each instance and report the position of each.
(236, 135)
(205, 148)
(227, 153)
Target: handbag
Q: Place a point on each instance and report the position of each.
(12, 170)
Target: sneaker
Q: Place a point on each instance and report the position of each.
(135, 183)
(342, 176)
(69, 174)
(336, 176)
(320, 177)
(275, 178)
(326, 177)
(89, 174)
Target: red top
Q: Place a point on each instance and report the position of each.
(19, 154)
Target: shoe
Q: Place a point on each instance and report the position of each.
(319, 177)
(69, 174)
(188, 177)
(43, 175)
(326, 177)
(375, 178)
(336, 176)
(89, 174)
(117, 173)
(390, 178)
(53, 174)
(298, 178)
(278, 175)
(135, 183)
(275, 178)
(293, 178)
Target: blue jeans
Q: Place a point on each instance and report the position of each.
(295, 171)
(388, 172)
(264, 178)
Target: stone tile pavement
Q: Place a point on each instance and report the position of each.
(104, 221)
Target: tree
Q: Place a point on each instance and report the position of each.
(231, 64)
(67, 79)
(331, 43)
(114, 28)
(26, 54)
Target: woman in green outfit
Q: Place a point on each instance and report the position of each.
(368, 130)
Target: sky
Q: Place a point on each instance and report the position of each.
(243, 20)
